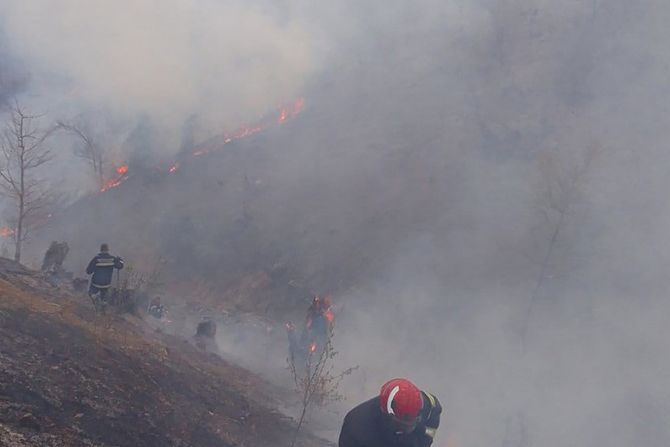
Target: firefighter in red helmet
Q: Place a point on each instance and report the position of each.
(401, 416)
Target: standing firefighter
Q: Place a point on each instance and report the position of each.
(315, 334)
(102, 268)
(401, 416)
(318, 323)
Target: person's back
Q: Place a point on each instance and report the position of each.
(102, 268)
(363, 427)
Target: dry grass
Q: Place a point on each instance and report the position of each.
(105, 329)
(201, 398)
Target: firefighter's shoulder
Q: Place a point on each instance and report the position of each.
(432, 400)
(361, 416)
(361, 424)
(363, 410)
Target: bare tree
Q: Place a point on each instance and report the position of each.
(23, 151)
(562, 184)
(316, 380)
(88, 149)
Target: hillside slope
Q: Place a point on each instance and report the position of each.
(69, 378)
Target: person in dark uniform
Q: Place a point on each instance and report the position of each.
(401, 416)
(102, 268)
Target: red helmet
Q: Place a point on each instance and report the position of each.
(402, 402)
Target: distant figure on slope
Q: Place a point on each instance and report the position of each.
(156, 309)
(205, 336)
(102, 268)
(54, 257)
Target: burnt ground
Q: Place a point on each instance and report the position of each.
(71, 378)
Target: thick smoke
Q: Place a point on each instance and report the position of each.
(160, 62)
(551, 130)
(13, 77)
(480, 184)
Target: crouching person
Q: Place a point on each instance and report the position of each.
(401, 416)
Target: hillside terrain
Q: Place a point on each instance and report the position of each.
(71, 378)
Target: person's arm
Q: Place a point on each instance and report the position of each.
(432, 421)
(118, 262)
(91, 266)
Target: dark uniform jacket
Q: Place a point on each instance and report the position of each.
(102, 268)
(364, 426)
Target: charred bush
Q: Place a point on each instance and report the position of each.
(206, 329)
(80, 284)
(130, 301)
(205, 336)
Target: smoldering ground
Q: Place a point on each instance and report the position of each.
(481, 185)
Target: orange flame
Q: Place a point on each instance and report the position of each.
(6, 232)
(312, 347)
(291, 111)
(122, 176)
(286, 112)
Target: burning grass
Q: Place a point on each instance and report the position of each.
(285, 113)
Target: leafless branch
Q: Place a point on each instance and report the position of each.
(317, 382)
(89, 150)
(24, 149)
(562, 188)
